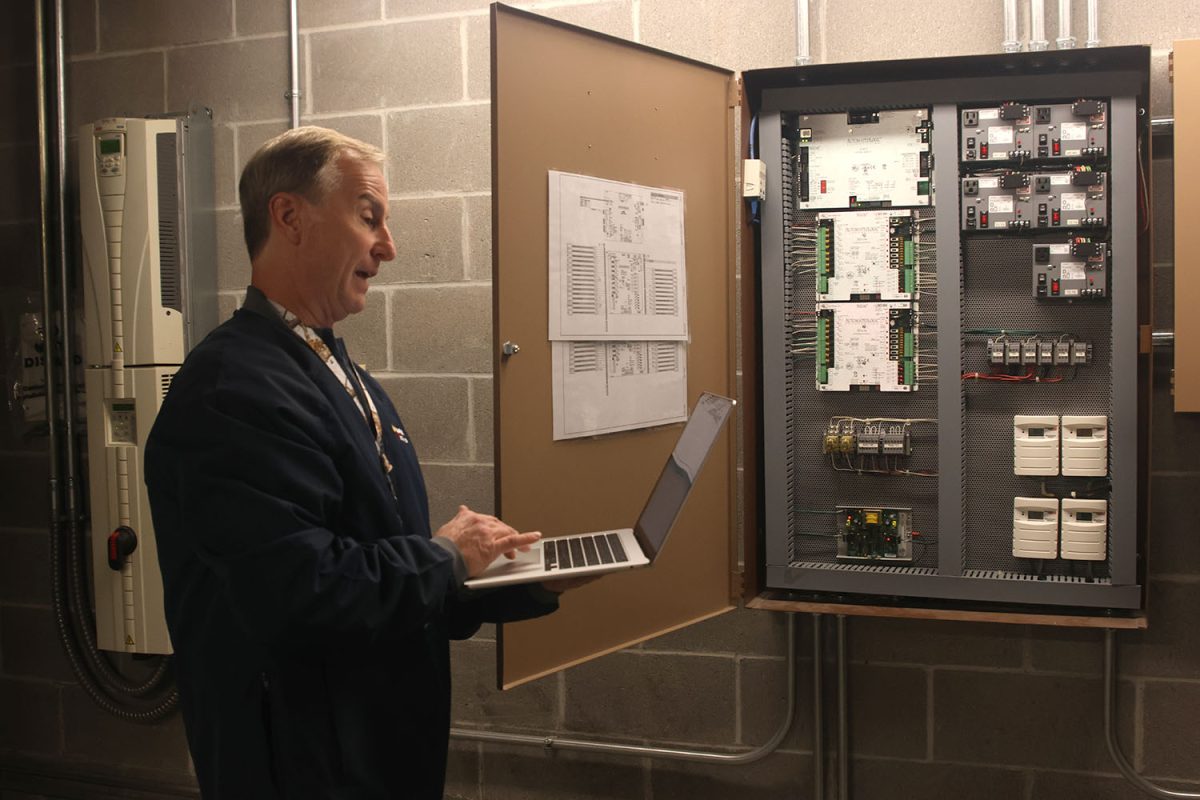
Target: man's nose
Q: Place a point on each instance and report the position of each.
(385, 246)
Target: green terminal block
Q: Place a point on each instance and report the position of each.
(823, 259)
(908, 344)
(910, 280)
(909, 373)
(822, 352)
(909, 253)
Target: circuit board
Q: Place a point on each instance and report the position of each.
(872, 534)
(865, 255)
(863, 160)
(866, 346)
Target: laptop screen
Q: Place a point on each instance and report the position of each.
(681, 471)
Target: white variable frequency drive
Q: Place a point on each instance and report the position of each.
(145, 207)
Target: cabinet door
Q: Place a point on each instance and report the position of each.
(1186, 68)
(568, 99)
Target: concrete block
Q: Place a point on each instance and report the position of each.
(879, 29)
(17, 39)
(483, 446)
(1174, 549)
(111, 87)
(29, 644)
(422, 66)
(81, 28)
(479, 58)
(95, 735)
(253, 136)
(141, 24)
(614, 18)
(1157, 23)
(30, 722)
(233, 262)
(240, 80)
(19, 164)
(399, 9)
(463, 771)
(440, 150)
(763, 693)
(444, 329)
(874, 779)
(226, 170)
(741, 631)
(936, 642)
(25, 492)
(1170, 647)
(1072, 786)
(428, 234)
(900, 733)
(778, 775)
(25, 571)
(1171, 737)
(435, 414)
(18, 98)
(657, 697)
(451, 485)
(736, 36)
(256, 18)
(366, 332)
(1078, 650)
(1023, 720)
(512, 773)
(477, 701)
(479, 237)
(227, 304)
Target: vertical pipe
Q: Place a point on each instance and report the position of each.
(1037, 26)
(803, 35)
(1011, 43)
(1065, 40)
(843, 718)
(66, 307)
(294, 52)
(818, 715)
(47, 285)
(1093, 8)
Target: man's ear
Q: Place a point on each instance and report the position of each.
(287, 215)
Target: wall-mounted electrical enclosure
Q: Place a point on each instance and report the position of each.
(150, 294)
(992, 297)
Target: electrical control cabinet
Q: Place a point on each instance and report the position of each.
(973, 313)
(150, 294)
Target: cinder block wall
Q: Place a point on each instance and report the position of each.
(938, 710)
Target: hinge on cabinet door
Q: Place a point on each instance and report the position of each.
(1171, 67)
(1172, 381)
(1145, 339)
(735, 92)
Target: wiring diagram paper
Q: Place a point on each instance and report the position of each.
(605, 387)
(616, 261)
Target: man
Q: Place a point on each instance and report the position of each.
(309, 606)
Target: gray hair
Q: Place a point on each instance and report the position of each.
(303, 161)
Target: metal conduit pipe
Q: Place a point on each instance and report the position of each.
(843, 717)
(1011, 43)
(71, 611)
(1065, 40)
(818, 708)
(803, 35)
(1037, 26)
(664, 753)
(293, 94)
(1093, 9)
(1110, 729)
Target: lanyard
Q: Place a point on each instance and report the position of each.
(318, 346)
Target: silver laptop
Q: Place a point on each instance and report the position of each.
(609, 551)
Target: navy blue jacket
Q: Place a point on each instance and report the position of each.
(309, 610)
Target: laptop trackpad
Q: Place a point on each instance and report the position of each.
(522, 564)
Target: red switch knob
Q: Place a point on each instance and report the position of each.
(121, 543)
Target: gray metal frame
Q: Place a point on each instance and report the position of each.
(951, 580)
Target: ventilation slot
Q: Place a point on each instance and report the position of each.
(166, 383)
(168, 222)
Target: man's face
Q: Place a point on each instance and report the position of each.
(346, 239)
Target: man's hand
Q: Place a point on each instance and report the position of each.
(482, 538)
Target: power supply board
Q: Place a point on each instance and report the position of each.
(952, 288)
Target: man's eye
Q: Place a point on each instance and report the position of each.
(371, 222)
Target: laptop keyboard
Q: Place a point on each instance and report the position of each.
(583, 551)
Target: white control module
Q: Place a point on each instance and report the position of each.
(1084, 529)
(1035, 527)
(1084, 445)
(1035, 445)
